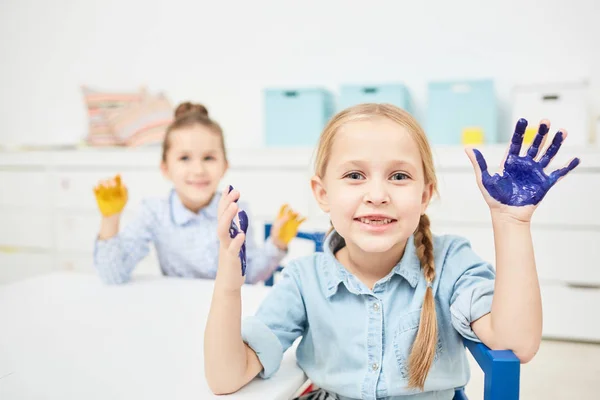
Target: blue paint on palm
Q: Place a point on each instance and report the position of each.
(523, 181)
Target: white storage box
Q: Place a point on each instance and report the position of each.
(565, 105)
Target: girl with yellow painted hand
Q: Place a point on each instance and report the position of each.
(183, 225)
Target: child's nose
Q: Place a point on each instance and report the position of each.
(377, 194)
(199, 167)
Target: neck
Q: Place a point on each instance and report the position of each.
(194, 206)
(370, 267)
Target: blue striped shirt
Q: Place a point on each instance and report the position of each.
(186, 243)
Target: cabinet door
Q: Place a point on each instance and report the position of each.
(26, 229)
(571, 312)
(24, 189)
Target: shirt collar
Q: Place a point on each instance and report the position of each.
(408, 267)
(182, 215)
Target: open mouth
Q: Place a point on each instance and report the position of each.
(375, 222)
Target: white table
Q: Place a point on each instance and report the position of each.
(68, 336)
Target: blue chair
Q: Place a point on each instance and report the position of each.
(317, 237)
(501, 368)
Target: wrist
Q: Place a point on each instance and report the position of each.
(280, 244)
(111, 219)
(503, 217)
(224, 287)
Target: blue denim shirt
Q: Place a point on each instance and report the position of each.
(356, 341)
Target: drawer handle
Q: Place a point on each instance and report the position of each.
(552, 97)
(291, 93)
(369, 90)
(583, 285)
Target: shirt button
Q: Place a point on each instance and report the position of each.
(376, 306)
(375, 366)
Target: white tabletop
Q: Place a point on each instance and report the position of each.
(68, 336)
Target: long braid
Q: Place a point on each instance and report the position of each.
(424, 346)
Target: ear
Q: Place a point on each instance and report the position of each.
(426, 198)
(225, 168)
(164, 169)
(320, 193)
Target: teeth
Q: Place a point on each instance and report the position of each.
(375, 221)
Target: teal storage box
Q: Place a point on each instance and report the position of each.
(296, 117)
(396, 94)
(454, 106)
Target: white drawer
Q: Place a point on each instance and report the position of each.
(15, 266)
(25, 189)
(75, 190)
(25, 229)
(561, 255)
(266, 191)
(84, 263)
(78, 232)
(572, 201)
(571, 313)
(565, 105)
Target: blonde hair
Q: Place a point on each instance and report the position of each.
(424, 346)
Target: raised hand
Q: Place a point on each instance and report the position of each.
(523, 181)
(231, 241)
(285, 227)
(111, 196)
(234, 231)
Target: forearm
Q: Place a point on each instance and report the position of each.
(262, 262)
(225, 354)
(113, 266)
(516, 315)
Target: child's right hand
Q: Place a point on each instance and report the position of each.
(111, 196)
(229, 274)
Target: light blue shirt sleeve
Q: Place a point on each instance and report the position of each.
(279, 321)
(116, 258)
(262, 261)
(473, 289)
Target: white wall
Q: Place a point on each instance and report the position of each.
(223, 55)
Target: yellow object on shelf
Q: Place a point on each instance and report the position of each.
(529, 135)
(472, 135)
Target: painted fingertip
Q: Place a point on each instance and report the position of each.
(558, 138)
(243, 221)
(521, 125)
(480, 160)
(575, 162)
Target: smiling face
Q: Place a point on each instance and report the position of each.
(195, 162)
(374, 185)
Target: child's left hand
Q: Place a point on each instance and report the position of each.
(523, 183)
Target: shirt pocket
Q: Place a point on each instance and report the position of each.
(404, 337)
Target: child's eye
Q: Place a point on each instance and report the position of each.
(209, 158)
(399, 176)
(354, 176)
(184, 158)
